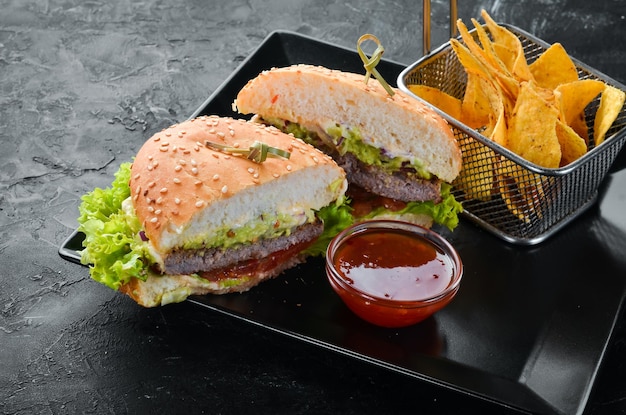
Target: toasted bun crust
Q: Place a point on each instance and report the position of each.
(181, 189)
(315, 97)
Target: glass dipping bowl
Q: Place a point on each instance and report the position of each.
(392, 273)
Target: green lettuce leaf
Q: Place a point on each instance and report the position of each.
(445, 213)
(336, 217)
(113, 248)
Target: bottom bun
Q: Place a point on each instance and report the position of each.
(417, 219)
(160, 289)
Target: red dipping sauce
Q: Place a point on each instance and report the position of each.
(391, 273)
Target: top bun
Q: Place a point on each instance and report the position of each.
(316, 97)
(181, 189)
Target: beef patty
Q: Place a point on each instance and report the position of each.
(401, 185)
(189, 261)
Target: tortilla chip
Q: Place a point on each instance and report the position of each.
(553, 68)
(520, 190)
(572, 145)
(446, 103)
(611, 104)
(507, 40)
(476, 178)
(532, 129)
(575, 96)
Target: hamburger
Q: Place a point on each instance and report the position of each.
(211, 205)
(399, 155)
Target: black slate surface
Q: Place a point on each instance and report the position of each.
(83, 84)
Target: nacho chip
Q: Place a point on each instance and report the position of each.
(446, 103)
(575, 96)
(553, 68)
(490, 63)
(508, 41)
(572, 145)
(520, 190)
(611, 104)
(532, 129)
(477, 176)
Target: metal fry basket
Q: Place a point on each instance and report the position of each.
(516, 200)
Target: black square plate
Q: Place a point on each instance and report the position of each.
(529, 326)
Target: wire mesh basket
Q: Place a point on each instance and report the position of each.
(516, 200)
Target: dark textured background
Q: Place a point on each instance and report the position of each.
(82, 85)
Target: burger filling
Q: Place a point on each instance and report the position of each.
(413, 190)
(186, 261)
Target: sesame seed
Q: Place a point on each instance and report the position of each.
(199, 203)
(198, 182)
(163, 149)
(288, 167)
(216, 177)
(226, 157)
(176, 180)
(224, 189)
(150, 158)
(231, 132)
(193, 163)
(196, 148)
(182, 162)
(138, 189)
(151, 184)
(159, 200)
(236, 145)
(221, 134)
(150, 166)
(177, 201)
(155, 164)
(156, 139)
(256, 181)
(154, 220)
(256, 175)
(137, 176)
(250, 170)
(163, 190)
(212, 130)
(165, 143)
(135, 197)
(315, 160)
(168, 134)
(178, 168)
(175, 212)
(194, 171)
(276, 175)
(150, 209)
(157, 212)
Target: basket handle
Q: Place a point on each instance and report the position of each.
(426, 24)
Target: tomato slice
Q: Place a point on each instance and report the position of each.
(364, 202)
(253, 267)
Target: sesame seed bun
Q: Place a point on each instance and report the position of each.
(182, 190)
(316, 97)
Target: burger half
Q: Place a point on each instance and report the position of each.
(211, 205)
(399, 155)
